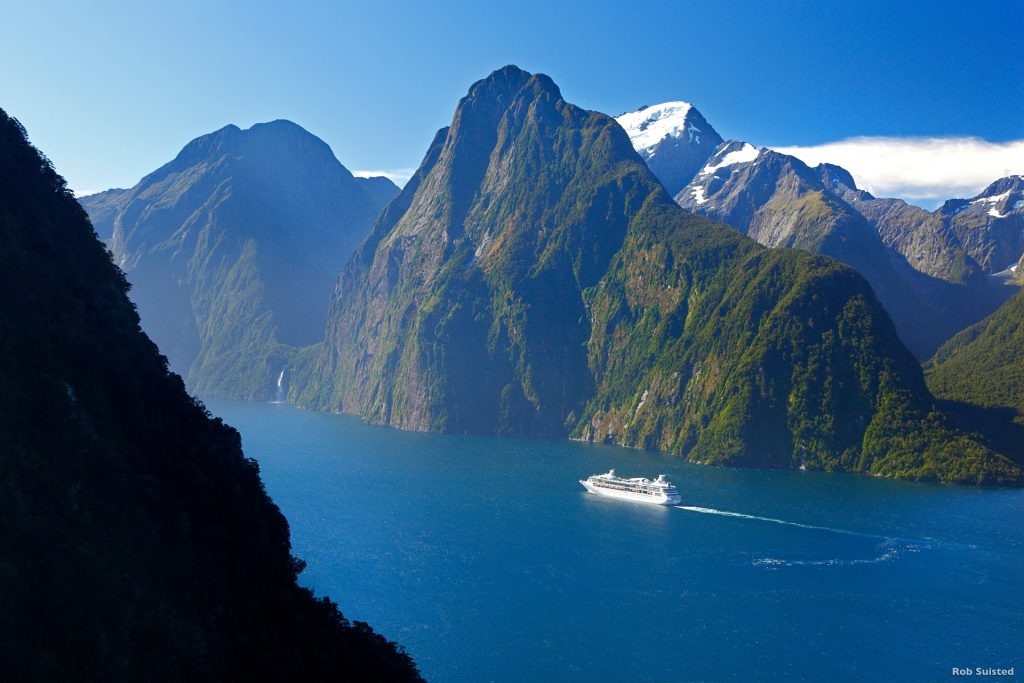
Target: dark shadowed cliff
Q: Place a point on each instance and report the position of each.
(136, 540)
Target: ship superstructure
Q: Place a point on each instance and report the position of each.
(659, 491)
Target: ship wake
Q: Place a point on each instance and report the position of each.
(725, 513)
(888, 548)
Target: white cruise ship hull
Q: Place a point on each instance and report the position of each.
(630, 495)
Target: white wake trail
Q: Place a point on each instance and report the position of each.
(725, 513)
(891, 547)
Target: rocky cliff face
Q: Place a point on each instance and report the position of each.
(921, 236)
(534, 277)
(103, 208)
(232, 250)
(781, 202)
(136, 540)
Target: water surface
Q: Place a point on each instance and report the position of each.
(488, 561)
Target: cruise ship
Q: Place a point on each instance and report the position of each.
(659, 492)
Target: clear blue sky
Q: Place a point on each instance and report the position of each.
(110, 91)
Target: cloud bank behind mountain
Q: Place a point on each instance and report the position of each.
(399, 176)
(921, 170)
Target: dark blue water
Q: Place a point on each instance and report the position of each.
(489, 562)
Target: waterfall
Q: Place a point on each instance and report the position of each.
(280, 395)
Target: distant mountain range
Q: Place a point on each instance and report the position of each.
(136, 540)
(233, 248)
(929, 269)
(781, 202)
(535, 277)
(509, 288)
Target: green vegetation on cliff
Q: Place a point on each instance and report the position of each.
(984, 364)
(535, 278)
(136, 540)
(781, 202)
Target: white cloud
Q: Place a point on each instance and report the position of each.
(923, 171)
(399, 176)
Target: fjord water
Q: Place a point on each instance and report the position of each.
(488, 561)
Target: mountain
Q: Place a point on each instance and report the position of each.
(921, 236)
(233, 247)
(103, 208)
(534, 277)
(781, 202)
(379, 189)
(990, 225)
(136, 540)
(984, 364)
(673, 138)
(979, 376)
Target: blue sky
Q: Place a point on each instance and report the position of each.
(112, 90)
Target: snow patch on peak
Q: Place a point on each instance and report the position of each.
(744, 154)
(994, 199)
(647, 127)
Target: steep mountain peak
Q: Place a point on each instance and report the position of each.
(478, 114)
(1008, 190)
(649, 125)
(503, 85)
(281, 125)
(278, 139)
(228, 130)
(509, 72)
(1010, 183)
(838, 178)
(673, 138)
(999, 200)
(206, 146)
(1002, 198)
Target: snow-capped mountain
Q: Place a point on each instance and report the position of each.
(781, 202)
(673, 138)
(990, 225)
(725, 161)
